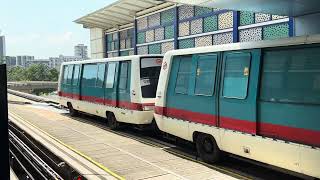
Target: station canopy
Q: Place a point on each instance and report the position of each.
(280, 7)
(121, 12)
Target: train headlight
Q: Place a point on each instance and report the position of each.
(148, 108)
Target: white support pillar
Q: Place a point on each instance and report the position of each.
(98, 43)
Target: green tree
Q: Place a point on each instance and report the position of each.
(17, 74)
(53, 74)
(37, 72)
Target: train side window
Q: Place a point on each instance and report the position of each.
(206, 74)
(123, 80)
(100, 75)
(183, 76)
(291, 75)
(76, 74)
(110, 75)
(89, 75)
(236, 75)
(65, 74)
(70, 74)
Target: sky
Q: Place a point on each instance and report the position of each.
(45, 28)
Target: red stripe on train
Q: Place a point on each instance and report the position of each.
(300, 135)
(122, 104)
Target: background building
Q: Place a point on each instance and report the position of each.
(2, 46)
(81, 50)
(55, 62)
(22, 60)
(45, 62)
(11, 61)
(155, 27)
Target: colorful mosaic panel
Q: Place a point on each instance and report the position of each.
(167, 46)
(159, 34)
(167, 16)
(115, 36)
(184, 29)
(223, 38)
(154, 20)
(142, 23)
(142, 50)
(254, 34)
(150, 36)
(122, 44)
(246, 18)
(168, 32)
(155, 49)
(275, 17)
(225, 20)
(123, 34)
(128, 43)
(203, 41)
(141, 37)
(201, 10)
(124, 53)
(131, 52)
(185, 12)
(186, 43)
(210, 24)
(196, 26)
(260, 17)
(276, 31)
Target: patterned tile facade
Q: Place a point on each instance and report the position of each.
(142, 23)
(210, 24)
(167, 16)
(246, 18)
(196, 26)
(203, 41)
(150, 36)
(184, 28)
(166, 46)
(186, 43)
(260, 17)
(201, 10)
(168, 32)
(154, 20)
(253, 34)
(223, 38)
(155, 49)
(185, 12)
(159, 34)
(142, 50)
(225, 20)
(276, 31)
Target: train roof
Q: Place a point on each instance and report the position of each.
(120, 58)
(299, 40)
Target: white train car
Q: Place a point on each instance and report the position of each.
(258, 100)
(122, 88)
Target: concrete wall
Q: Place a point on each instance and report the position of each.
(97, 42)
(308, 24)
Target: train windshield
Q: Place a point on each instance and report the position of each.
(149, 75)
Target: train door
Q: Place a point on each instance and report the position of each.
(76, 82)
(111, 83)
(99, 90)
(238, 90)
(124, 100)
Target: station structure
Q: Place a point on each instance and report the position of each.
(129, 27)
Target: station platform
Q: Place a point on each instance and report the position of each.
(107, 155)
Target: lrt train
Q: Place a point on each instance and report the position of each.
(258, 100)
(122, 88)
